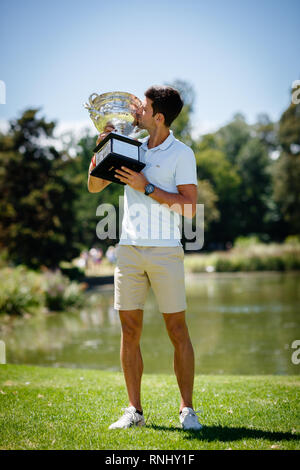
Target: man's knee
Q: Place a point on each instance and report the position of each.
(131, 322)
(176, 327)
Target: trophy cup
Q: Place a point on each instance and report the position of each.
(118, 148)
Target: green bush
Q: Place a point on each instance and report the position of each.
(195, 263)
(244, 242)
(20, 291)
(255, 257)
(292, 240)
(61, 293)
(24, 291)
(3, 259)
(224, 264)
(291, 261)
(253, 263)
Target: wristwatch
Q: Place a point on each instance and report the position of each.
(149, 188)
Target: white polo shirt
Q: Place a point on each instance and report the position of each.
(146, 222)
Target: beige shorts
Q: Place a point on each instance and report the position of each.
(139, 267)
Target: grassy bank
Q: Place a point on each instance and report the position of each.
(247, 258)
(45, 408)
(247, 255)
(25, 291)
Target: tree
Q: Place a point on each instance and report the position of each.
(37, 197)
(246, 206)
(232, 137)
(182, 126)
(253, 166)
(289, 130)
(267, 132)
(286, 174)
(207, 196)
(214, 167)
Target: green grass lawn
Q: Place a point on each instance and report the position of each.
(51, 408)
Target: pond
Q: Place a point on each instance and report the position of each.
(240, 323)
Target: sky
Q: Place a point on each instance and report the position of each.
(239, 55)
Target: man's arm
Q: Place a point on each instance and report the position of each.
(96, 185)
(185, 202)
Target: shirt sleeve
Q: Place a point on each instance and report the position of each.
(186, 168)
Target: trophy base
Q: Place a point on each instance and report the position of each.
(113, 152)
(112, 162)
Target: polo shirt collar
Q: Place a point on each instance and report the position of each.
(163, 146)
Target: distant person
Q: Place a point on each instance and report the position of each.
(96, 255)
(99, 256)
(111, 254)
(169, 177)
(81, 262)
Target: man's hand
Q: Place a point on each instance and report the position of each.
(134, 179)
(107, 130)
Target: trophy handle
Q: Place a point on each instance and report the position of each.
(91, 98)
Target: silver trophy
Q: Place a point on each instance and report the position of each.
(120, 147)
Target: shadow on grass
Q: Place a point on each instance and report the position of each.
(224, 434)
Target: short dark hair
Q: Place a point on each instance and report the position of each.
(166, 100)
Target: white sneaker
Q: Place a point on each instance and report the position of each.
(189, 419)
(129, 418)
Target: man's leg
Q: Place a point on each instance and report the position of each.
(131, 358)
(184, 362)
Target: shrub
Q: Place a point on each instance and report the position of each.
(24, 291)
(244, 242)
(292, 240)
(224, 265)
(256, 257)
(61, 293)
(20, 291)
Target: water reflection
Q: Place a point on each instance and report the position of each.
(239, 324)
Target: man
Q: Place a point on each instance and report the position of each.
(165, 188)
